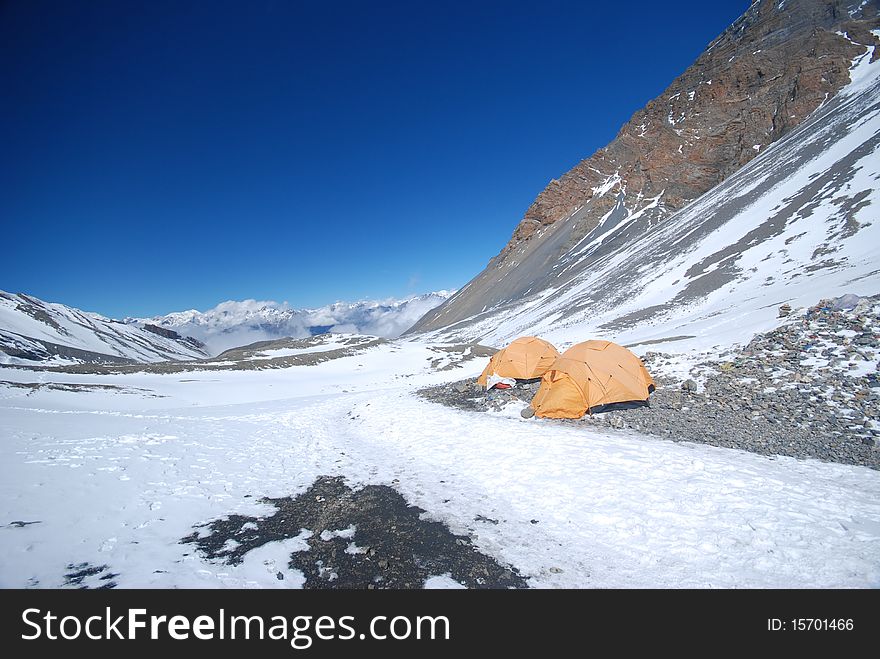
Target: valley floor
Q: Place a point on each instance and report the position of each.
(98, 486)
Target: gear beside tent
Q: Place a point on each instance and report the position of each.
(526, 358)
(589, 377)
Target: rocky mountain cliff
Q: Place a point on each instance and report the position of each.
(755, 83)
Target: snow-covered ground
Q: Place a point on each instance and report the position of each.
(117, 479)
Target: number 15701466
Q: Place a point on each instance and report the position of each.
(809, 624)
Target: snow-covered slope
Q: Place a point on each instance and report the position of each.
(33, 331)
(233, 324)
(796, 224)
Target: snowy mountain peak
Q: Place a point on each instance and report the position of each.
(237, 323)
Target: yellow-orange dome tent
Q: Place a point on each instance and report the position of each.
(526, 358)
(590, 375)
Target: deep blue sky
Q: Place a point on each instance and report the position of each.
(159, 156)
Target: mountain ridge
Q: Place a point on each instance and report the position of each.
(754, 84)
(794, 224)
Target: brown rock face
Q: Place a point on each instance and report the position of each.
(754, 83)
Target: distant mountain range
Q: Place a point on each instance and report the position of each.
(233, 324)
(36, 332)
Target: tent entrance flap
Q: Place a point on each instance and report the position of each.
(526, 358)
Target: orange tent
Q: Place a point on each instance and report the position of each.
(590, 375)
(526, 358)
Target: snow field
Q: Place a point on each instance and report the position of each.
(118, 480)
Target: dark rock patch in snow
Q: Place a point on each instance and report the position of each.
(468, 395)
(87, 576)
(452, 356)
(366, 538)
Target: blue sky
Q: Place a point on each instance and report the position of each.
(159, 156)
